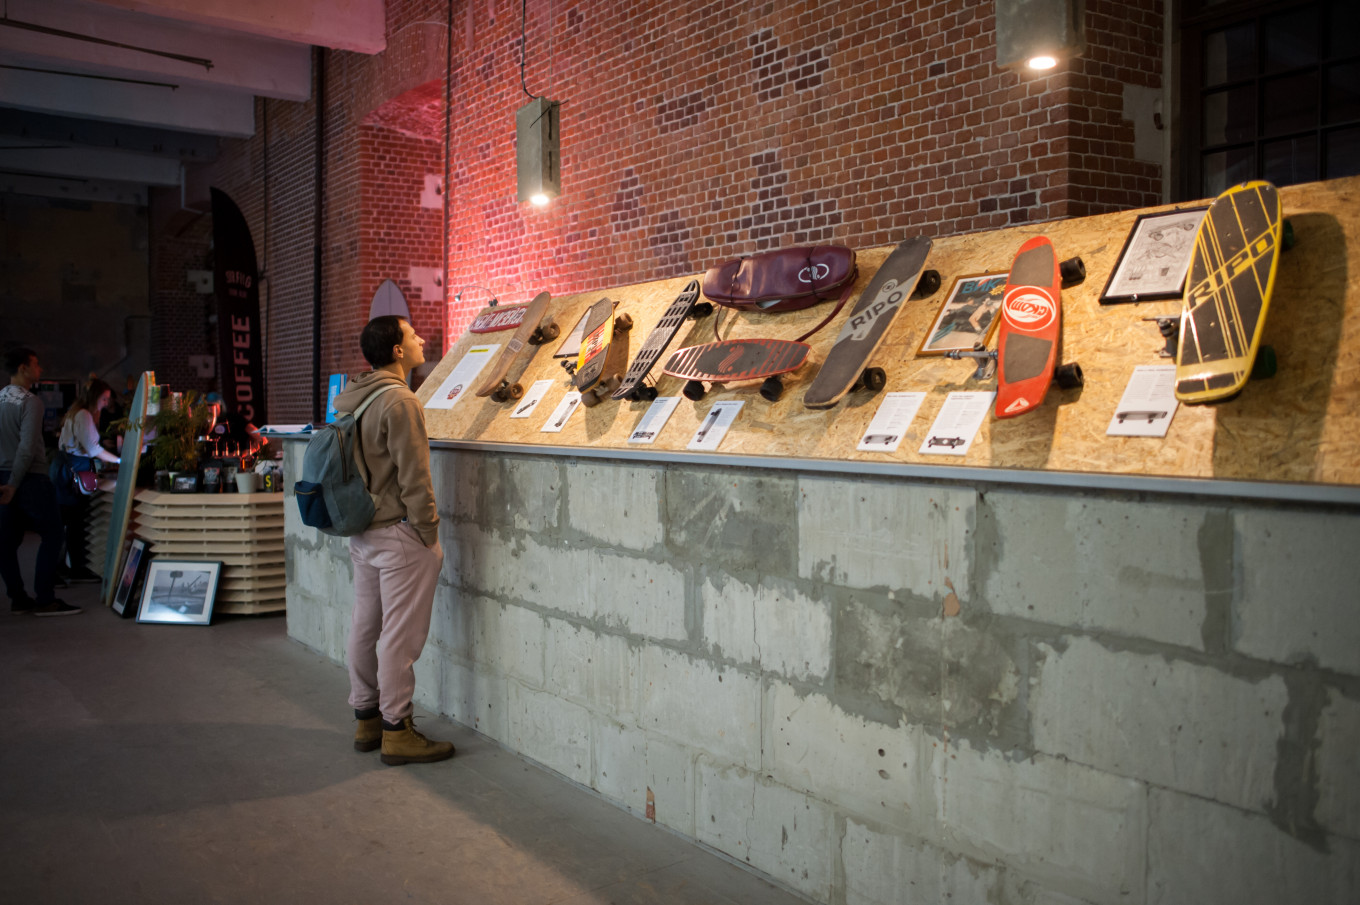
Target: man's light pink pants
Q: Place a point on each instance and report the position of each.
(394, 582)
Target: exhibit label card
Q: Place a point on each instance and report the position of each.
(1148, 404)
(957, 424)
(658, 413)
(890, 423)
(525, 407)
(459, 383)
(714, 426)
(558, 419)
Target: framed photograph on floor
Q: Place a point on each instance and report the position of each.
(179, 591)
(968, 315)
(131, 577)
(1155, 257)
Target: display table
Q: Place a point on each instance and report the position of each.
(244, 531)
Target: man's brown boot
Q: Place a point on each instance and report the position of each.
(368, 735)
(402, 744)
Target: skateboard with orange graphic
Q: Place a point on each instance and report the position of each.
(1029, 343)
(590, 373)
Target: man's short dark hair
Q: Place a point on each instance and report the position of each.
(18, 357)
(379, 337)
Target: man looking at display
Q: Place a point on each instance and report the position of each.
(27, 497)
(398, 558)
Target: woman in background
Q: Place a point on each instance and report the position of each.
(79, 441)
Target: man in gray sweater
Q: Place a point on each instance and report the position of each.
(27, 497)
(398, 559)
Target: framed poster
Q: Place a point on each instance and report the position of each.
(968, 315)
(132, 573)
(179, 591)
(1155, 257)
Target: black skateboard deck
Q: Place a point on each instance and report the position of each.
(896, 279)
(657, 341)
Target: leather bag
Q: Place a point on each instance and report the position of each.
(789, 279)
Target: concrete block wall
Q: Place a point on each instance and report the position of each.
(878, 691)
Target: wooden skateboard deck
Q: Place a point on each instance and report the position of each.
(498, 317)
(529, 326)
(129, 461)
(868, 323)
(1031, 329)
(1232, 276)
(656, 343)
(735, 360)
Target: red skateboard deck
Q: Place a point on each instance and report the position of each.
(1031, 329)
(734, 360)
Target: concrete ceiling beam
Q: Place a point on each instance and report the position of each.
(103, 164)
(188, 109)
(245, 63)
(358, 25)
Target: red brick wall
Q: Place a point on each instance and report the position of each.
(692, 131)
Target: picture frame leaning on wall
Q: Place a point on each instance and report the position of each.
(179, 591)
(967, 316)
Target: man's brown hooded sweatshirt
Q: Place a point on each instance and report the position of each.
(393, 453)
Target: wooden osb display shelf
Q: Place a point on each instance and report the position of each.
(242, 530)
(1297, 427)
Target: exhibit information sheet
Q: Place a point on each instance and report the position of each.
(1148, 404)
(459, 382)
(525, 407)
(957, 424)
(658, 413)
(558, 419)
(714, 426)
(894, 416)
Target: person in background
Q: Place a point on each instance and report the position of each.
(27, 497)
(79, 442)
(230, 433)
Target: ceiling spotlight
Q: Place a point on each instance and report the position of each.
(1039, 34)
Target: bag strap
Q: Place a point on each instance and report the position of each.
(370, 397)
(347, 455)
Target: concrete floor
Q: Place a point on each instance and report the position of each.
(158, 763)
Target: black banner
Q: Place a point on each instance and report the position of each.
(240, 358)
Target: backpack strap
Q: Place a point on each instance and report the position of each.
(370, 397)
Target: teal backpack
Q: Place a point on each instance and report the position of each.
(332, 496)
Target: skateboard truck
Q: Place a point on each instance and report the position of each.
(1171, 332)
(547, 331)
(986, 360)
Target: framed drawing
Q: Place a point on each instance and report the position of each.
(179, 591)
(968, 315)
(1155, 257)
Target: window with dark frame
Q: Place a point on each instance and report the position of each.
(1270, 90)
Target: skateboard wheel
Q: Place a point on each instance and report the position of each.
(646, 394)
(928, 284)
(1287, 238)
(771, 389)
(623, 322)
(589, 399)
(1265, 365)
(874, 379)
(1073, 271)
(500, 395)
(694, 390)
(1069, 376)
(514, 391)
(703, 309)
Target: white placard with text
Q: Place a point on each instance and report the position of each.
(658, 413)
(558, 419)
(1148, 404)
(714, 426)
(524, 407)
(958, 422)
(459, 382)
(894, 416)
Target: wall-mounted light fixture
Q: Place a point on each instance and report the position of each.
(537, 151)
(1036, 35)
(461, 289)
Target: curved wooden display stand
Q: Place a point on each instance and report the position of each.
(1297, 427)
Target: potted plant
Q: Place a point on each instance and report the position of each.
(177, 427)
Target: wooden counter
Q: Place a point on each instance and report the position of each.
(242, 530)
